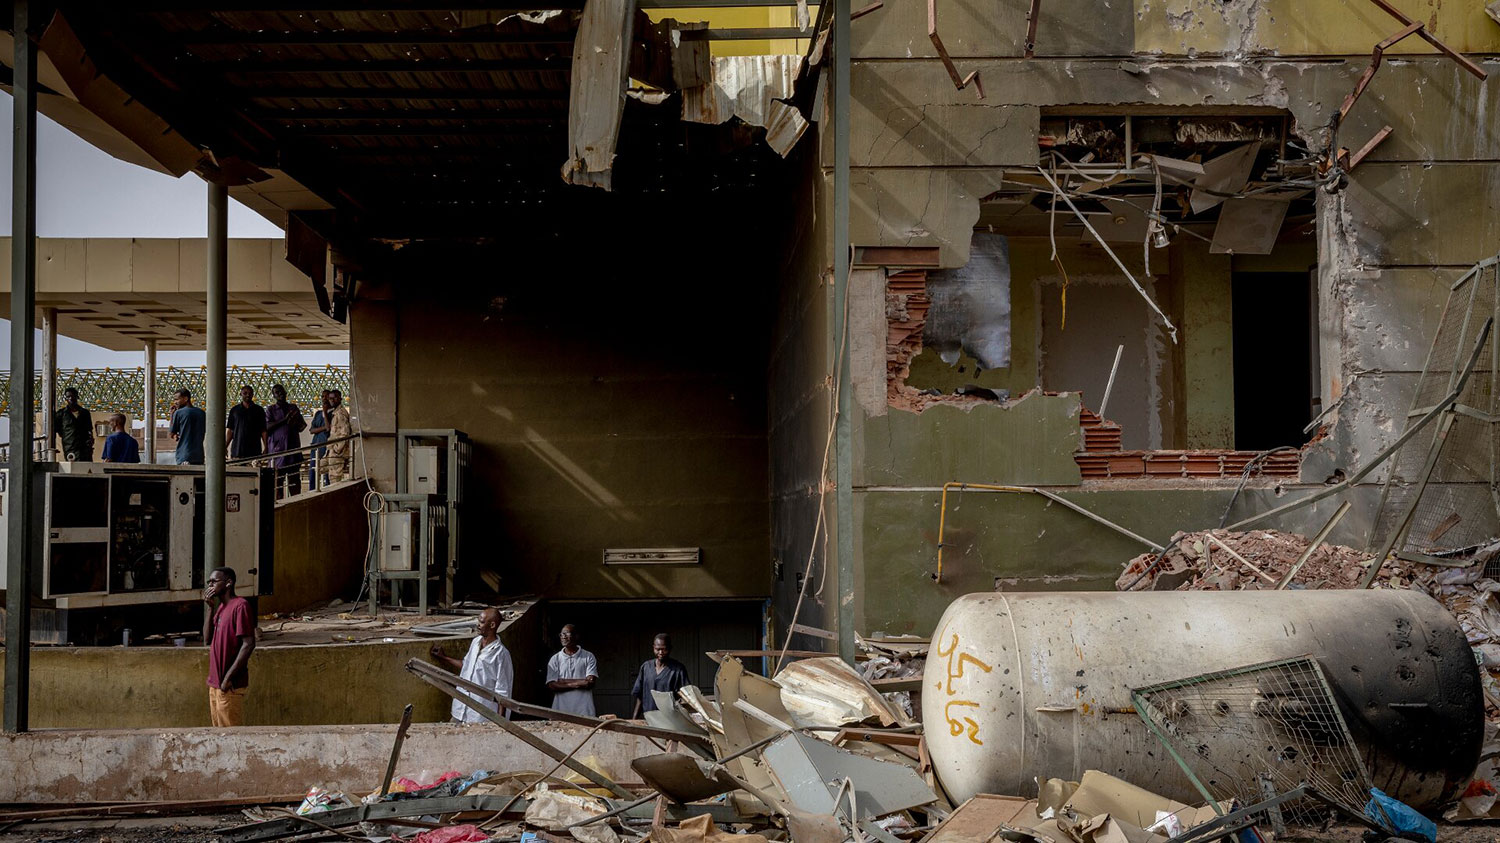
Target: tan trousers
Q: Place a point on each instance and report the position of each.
(336, 463)
(226, 709)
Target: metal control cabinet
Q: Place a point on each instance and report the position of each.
(421, 528)
(130, 535)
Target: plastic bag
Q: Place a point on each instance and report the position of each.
(319, 800)
(1400, 816)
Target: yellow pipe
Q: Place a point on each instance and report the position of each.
(1022, 490)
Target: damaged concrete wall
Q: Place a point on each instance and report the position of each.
(1416, 213)
(126, 765)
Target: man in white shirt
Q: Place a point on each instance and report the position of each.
(487, 664)
(571, 674)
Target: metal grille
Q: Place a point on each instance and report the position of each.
(106, 391)
(1236, 730)
(1460, 505)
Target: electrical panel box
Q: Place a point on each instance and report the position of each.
(397, 546)
(422, 469)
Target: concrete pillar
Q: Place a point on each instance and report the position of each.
(49, 374)
(148, 412)
(21, 518)
(215, 445)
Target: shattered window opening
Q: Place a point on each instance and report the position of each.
(1203, 211)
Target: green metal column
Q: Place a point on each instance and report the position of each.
(843, 442)
(215, 375)
(21, 519)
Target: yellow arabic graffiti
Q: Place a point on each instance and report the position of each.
(956, 727)
(956, 662)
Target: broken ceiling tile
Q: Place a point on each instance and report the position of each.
(1229, 173)
(1249, 226)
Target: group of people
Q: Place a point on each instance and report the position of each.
(229, 632)
(571, 673)
(252, 430)
(275, 429)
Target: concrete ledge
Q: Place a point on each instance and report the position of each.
(172, 764)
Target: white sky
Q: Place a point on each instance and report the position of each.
(83, 192)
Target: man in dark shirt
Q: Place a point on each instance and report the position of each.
(229, 631)
(662, 673)
(283, 424)
(188, 426)
(246, 431)
(120, 446)
(75, 429)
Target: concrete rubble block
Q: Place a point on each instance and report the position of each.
(968, 28)
(1422, 214)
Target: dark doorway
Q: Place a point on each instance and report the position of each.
(1275, 377)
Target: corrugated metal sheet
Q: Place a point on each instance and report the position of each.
(743, 87)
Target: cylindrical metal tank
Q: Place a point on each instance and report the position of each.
(1021, 685)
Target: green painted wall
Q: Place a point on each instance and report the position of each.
(320, 550)
(1203, 282)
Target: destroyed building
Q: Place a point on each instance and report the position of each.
(914, 302)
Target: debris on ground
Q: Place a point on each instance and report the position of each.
(1223, 560)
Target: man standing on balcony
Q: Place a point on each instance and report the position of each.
(319, 431)
(75, 429)
(245, 433)
(188, 425)
(283, 424)
(120, 446)
(340, 428)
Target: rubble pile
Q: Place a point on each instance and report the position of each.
(1207, 561)
(1223, 560)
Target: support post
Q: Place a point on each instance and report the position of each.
(49, 375)
(215, 375)
(844, 451)
(148, 411)
(21, 524)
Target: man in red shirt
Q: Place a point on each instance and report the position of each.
(229, 629)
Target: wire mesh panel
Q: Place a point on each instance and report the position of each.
(1460, 505)
(1276, 722)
